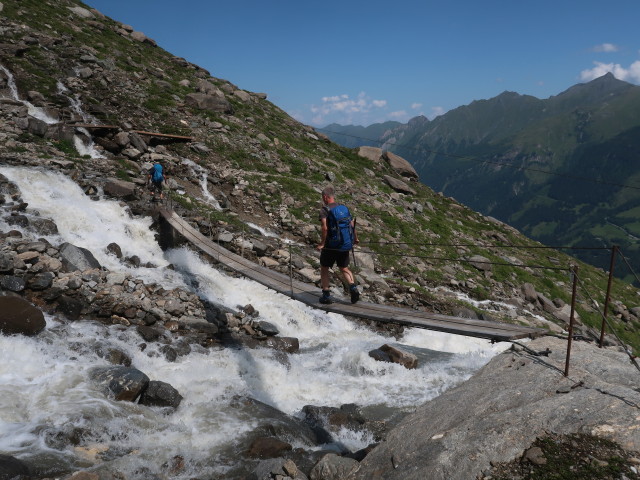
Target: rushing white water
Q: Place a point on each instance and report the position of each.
(84, 145)
(34, 111)
(44, 381)
(201, 173)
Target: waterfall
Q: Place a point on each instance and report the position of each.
(83, 148)
(34, 111)
(45, 386)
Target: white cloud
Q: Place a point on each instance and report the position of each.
(415, 106)
(398, 114)
(344, 107)
(437, 111)
(606, 47)
(631, 74)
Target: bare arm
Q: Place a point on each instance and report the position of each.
(325, 231)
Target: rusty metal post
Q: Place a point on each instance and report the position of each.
(291, 269)
(614, 250)
(574, 272)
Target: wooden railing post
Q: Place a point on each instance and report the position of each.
(574, 272)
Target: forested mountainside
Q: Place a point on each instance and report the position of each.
(563, 170)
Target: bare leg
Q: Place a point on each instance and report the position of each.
(324, 278)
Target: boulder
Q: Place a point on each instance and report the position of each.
(268, 447)
(123, 383)
(40, 281)
(398, 185)
(372, 153)
(120, 189)
(529, 292)
(160, 394)
(211, 103)
(17, 316)
(277, 468)
(400, 165)
(395, 355)
(77, 258)
(334, 467)
(481, 263)
(71, 307)
(11, 467)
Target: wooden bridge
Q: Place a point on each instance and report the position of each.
(171, 223)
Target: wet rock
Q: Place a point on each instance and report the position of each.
(11, 467)
(40, 281)
(397, 355)
(149, 334)
(44, 226)
(77, 258)
(327, 420)
(334, 467)
(160, 394)
(71, 307)
(123, 383)
(113, 355)
(269, 329)
(283, 344)
(18, 220)
(12, 284)
(268, 447)
(17, 316)
(114, 249)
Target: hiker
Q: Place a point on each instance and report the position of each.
(155, 178)
(338, 238)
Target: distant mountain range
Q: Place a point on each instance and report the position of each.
(564, 170)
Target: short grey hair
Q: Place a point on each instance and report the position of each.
(329, 192)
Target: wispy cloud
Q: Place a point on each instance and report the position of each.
(605, 47)
(400, 114)
(343, 108)
(437, 111)
(631, 74)
(415, 106)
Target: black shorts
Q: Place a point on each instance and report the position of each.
(329, 257)
(156, 186)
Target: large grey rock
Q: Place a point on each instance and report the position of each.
(212, 103)
(400, 165)
(334, 467)
(17, 316)
(120, 189)
(498, 413)
(123, 383)
(11, 467)
(481, 263)
(398, 185)
(388, 353)
(160, 394)
(372, 153)
(77, 258)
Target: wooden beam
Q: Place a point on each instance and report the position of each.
(164, 135)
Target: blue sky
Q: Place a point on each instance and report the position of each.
(363, 62)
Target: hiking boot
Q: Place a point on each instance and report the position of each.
(326, 300)
(326, 297)
(355, 294)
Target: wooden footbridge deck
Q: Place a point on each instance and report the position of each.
(309, 294)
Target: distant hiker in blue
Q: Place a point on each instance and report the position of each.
(338, 238)
(155, 178)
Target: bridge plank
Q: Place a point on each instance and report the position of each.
(309, 295)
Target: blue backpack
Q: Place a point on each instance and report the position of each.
(156, 175)
(340, 234)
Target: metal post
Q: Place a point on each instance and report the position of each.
(574, 272)
(614, 250)
(291, 269)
